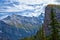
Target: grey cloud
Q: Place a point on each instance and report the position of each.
(57, 1)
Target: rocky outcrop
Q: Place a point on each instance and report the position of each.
(56, 10)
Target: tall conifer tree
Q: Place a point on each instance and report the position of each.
(54, 25)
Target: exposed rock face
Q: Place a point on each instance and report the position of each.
(15, 27)
(47, 16)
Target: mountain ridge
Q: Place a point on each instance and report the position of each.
(20, 25)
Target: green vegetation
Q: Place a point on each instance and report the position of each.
(54, 25)
(39, 36)
(54, 28)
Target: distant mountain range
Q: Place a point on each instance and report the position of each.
(13, 22)
(15, 26)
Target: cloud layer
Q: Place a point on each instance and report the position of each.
(25, 7)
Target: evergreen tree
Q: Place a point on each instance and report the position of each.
(54, 26)
(40, 34)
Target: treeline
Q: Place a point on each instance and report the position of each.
(54, 28)
(39, 36)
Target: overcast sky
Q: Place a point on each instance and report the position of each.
(26, 7)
